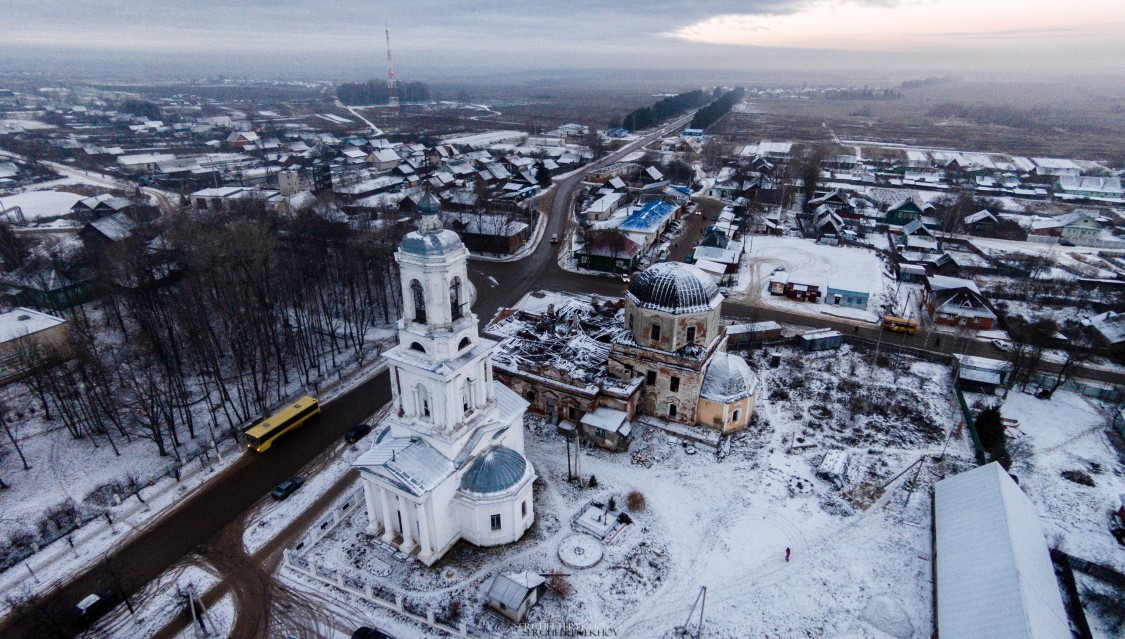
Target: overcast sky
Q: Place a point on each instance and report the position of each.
(342, 38)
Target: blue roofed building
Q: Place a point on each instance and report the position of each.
(649, 221)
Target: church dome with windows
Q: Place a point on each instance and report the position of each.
(495, 470)
(728, 379)
(674, 287)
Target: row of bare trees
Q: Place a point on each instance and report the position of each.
(207, 321)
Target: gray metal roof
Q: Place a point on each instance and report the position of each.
(675, 287)
(728, 379)
(439, 243)
(511, 589)
(496, 469)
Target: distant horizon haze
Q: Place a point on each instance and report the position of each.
(869, 39)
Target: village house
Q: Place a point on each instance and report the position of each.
(609, 251)
(908, 211)
(1089, 187)
(983, 221)
(26, 336)
(1078, 226)
(952, 301)
(92, 208)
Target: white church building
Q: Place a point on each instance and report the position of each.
(448, 462)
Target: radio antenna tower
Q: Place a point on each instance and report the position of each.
(392, 87)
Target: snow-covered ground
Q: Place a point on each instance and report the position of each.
(807, 262)
(160, 601)
(721, 524)
(41, 204)
(1067, 433)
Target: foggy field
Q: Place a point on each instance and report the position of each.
(1079, 120)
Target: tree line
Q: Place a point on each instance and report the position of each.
(375, 92)
(215, 326)
(649, 116)
(711, 113)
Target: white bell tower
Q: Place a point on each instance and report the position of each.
(441, 368)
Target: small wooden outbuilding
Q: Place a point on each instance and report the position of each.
(512, 594)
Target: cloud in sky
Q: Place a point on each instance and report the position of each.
(515, 34)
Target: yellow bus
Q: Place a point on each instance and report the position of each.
(261, 436)
(900, 324)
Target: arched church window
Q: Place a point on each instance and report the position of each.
(655, 332)
(465, 341)
(455, 298)
(691, 334)
(671, 410)
(419, 301)
(415, 346)
(423, 401)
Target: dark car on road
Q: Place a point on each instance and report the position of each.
(370, 633)
(356, 433)
(287, 487)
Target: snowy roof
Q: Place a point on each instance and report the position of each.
(511, 588)
(994, 574)
(20, 322)
(674, 287)
(116, 227)
(728, 379)
(607, 419)
(1110, 325)
(496, 469)
(753, 327)
(410, 463)
(943, 282)
(649, 217)
(979, 216)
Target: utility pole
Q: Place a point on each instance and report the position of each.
(117, 585)
(700, 602)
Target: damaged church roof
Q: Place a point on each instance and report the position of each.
(674, 287)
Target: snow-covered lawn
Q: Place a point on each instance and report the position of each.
(860, 564)
(1067, 433)
(807, 262)
(41, 204)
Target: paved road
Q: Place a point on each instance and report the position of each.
(201, 516)
(198, 519)
(540, 270)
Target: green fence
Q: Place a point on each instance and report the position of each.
(977, 448)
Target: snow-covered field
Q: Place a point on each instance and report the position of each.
(860, 557)
(807, 262)
(40, 204)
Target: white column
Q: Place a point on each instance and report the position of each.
(424, 529)
(388, 521)
(373, 513)
(407, 510)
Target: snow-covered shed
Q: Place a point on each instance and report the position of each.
(992, 568)
(607, 427)
(513, 593)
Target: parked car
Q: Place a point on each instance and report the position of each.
(1002, 345)
(625, 277)
(554, 238)
(370, 633)
(287, 487)
(94, 604)
(356, 433)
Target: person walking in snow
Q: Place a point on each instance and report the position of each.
(786, 554)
